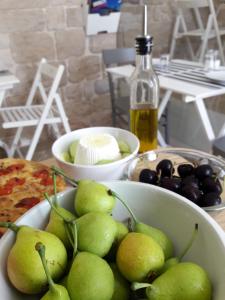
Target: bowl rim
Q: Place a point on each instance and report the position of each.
(176, 150)
(216, 229)
(122, 160)
(186, 202)
(219, 161)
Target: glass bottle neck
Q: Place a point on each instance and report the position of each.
(144, 62)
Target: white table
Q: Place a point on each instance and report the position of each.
(7, 81)
(183, 77)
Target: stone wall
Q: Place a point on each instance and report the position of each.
(32, 29)
(160, 23)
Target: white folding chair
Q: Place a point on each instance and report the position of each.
(203, 31)
(50, 112)
(220, 8)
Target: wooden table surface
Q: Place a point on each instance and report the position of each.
(218, 216)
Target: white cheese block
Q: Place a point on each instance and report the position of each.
(93, 148)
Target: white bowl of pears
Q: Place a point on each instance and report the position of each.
(115, 240)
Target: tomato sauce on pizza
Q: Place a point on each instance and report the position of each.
(22, 185)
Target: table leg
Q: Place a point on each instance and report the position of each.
(161, 140)
(222, 131)
(164, 103)
(161, 109)
(205, 118)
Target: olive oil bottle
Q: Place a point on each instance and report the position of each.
(144, 96)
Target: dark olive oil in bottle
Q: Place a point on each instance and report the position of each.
(144, 96)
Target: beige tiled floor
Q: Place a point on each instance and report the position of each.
(42, 152)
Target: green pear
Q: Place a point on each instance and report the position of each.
(138, 256)
(73, 150)
(124, 147)
(122, 231)
(24, 267)
(90, 278)
(56, 291)
(175, 260)
(56, 224)
(92, 196)
(66, 157)
(121, 286)
(96, 233)
(123, 155)
(63, 281)
(104, 161)
(183, 281)
(158, 235)
(59, 218)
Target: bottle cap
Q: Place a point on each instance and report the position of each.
(144, 44)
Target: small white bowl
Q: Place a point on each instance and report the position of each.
(158, 207)
(110, 171)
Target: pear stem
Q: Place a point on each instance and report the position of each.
(110, 192)
(56, 210)
(71, 231)
(189, 244)
(41, 251)
(129, 224)
(66, 177)
(55, 190)
(73, 227)
(138, 285)
(68, 233)
(10, 225)
(70, 226)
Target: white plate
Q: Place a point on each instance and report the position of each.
(218, 75)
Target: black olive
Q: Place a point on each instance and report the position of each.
(185, 170)
(165, 168)
(210, 199)
(172, 184)
(211, 185)
(203, 171)
(148, 176)
(191, 193)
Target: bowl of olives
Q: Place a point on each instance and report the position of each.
(195, 175)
